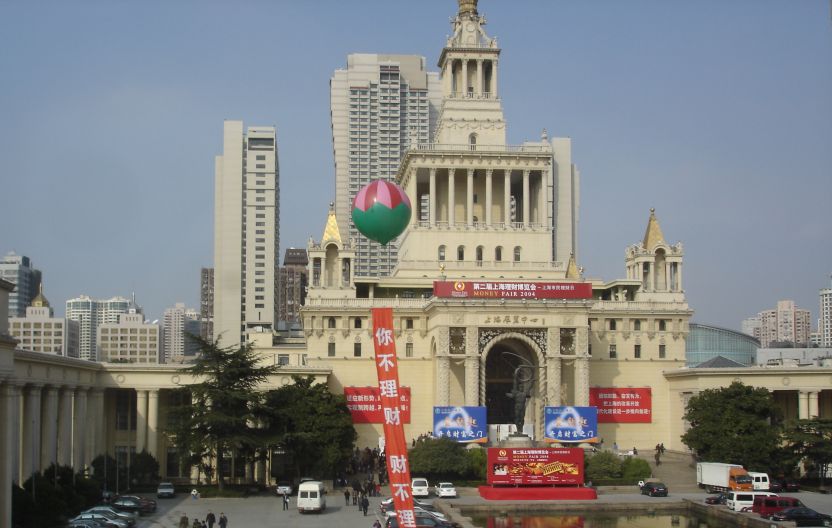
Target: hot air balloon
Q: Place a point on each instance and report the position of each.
(381, 211)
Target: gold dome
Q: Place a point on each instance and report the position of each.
(40, 301)
(467, 7)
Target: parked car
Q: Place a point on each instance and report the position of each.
(419, 487)
(424, 509)
(165, 490)
(717, 499)
(802, 517)
(283, 488)
(148, 505)
(127, 504)
(654, 489)
(766, 506)
(108, 520)
(445, 489)
(422, 521)
(387, 504)
(86, 523)
(127, 516)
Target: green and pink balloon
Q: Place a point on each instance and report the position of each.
(381, 211)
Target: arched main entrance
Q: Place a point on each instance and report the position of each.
(502, 360)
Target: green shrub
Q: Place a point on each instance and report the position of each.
(477, 460)
(439, 458)
(634, 469)
(604, 465)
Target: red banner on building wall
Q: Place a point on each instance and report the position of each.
(622, 405)
(535, 466)
(387, 368)
(512, 290)
(364, 404)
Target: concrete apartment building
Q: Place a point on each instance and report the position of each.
(41, 331)
(206, 304)
(825, 317)
(91, 313)
(784, 324)
(177, 323)
(293, 284)
(130, 340)
(18, 270)
(379, 105)
(246, 233)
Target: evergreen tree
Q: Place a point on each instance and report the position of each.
(218, 411)
(737, 424)
(810, 441)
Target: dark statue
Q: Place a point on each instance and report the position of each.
(521, 391)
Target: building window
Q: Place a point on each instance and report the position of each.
(441, 253)
(613, 352)
(330, 351)
(516, 253)
(330, 322)
(408, 350)
(637, 351)
(662, 351)
(408, 323)
(612, 324)
(662, 325)
(460, 253)
(498, 253)
(637, 325)
(283, 359)
(356, 322)
(356, 349)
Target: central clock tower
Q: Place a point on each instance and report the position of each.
(471, 110)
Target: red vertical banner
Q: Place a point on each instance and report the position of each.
(387, 367)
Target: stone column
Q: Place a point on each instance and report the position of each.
(465, 77)
(554, 371)
(581, 381)
(432, 198)
(79, 428)
(30, 446)
(95, 420)
(49, 440)
(443, 389)
(469, 190)
(480, 88)
(9, 438)
(526, 200)
(813, 405)
(541, 208)
(679, 276)
(472, 380)
(153, 423)
(507, 197)
(803, 405)
(493, 78)
(65, 426)
(451, 197)
(488, 197)
(141, 420)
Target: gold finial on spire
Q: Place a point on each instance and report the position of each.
(572, 271)
(40, 301)
(653, 236)
(331, 232)
(467, 7)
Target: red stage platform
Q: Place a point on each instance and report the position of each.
(537, 493)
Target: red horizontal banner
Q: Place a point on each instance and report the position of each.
(512, 290)
(622, 405)
(364, 404)
(535, 466)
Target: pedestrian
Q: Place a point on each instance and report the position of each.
(635, 451)
(194, 494)
(661, 447)
(285, 501)
(658, 459)
(223, 520)
(347, 496)
(210, 519)
(183, 521)
(615, 446)
(204, 525)
(365, 505)
(196, 523)
(376, 524)
(354, 494)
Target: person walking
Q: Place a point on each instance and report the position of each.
(365, 504)
(183, 521)
(196, 523)
(376, 524)
(223, 520)
(210, 519)
(658, 459)
(347, 496)
(285, 501)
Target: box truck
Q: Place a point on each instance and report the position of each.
(715, 476)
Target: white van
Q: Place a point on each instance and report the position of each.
(311, 496)
(419, 487)
(760, 481)
(738, 500)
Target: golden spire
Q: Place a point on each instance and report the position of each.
(653, 236)
(572, 271)
(331, 232)
(40, 301)
(467, 7)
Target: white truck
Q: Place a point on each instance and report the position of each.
(716, 476)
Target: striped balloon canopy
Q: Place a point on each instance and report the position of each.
(381, 211)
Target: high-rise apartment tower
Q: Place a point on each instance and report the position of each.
(246, 239)
(92, 313)
(18, 270)
(379, 106)
(293, 282)
(825, 319)
(206, 304)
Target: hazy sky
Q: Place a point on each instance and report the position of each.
(718, 114)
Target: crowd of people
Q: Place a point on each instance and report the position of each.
(208, 522)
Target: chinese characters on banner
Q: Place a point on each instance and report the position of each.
(462, 424)
(571, 424)
(622, 405)
(364, 404)
(512, 290)
(387, 367)
(535, 467)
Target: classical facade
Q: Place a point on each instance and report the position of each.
(41, 331)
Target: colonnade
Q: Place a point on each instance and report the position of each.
(807, 405)
(458, 81)
(657, 276)
(530, 179)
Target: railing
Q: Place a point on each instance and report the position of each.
(439, 147)
(482, 226)
(395, 302)
(472, 95)
(638, 305)
(453, 265)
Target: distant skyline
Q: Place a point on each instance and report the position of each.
(718, 114)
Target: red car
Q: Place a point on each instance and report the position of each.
(147, 505)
